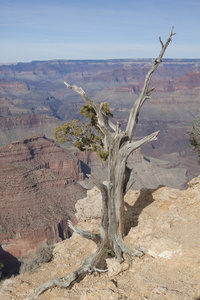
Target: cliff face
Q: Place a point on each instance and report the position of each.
(38, 191)
(16, 127)
(164, 221)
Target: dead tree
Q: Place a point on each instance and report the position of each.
(120, 178)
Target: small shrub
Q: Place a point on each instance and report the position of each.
(194, 134)
(43, 254)
(1, 268)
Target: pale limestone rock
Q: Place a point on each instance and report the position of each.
(90, 206)
(164, 221)
(114, 267)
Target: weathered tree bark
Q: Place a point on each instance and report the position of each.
(120, 179)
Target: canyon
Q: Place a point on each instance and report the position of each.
(164, 221)
(39, 187)
(41, 181)
(34, 93)
(38, 191)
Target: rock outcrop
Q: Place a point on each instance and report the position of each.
(16, 127)
(38, 192)
(164, 221)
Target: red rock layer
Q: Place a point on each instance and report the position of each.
(38, 191)
(24, 121)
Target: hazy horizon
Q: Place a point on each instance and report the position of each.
(99, 60)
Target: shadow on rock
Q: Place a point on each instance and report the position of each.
(85, 168)
(132, 214)
(10, 264)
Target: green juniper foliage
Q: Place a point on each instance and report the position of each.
(194, 134)
(43, 254)
(84, 136)
(1, 268)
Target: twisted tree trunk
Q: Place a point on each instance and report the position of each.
(120, 179)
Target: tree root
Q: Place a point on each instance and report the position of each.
(86, 234)
(128, 250)
(90, 265)
(93, 263)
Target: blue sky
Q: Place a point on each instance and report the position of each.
(91, 29)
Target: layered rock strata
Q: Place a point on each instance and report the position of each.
(165, 221)
(38, 192)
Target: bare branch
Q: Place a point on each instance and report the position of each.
(151, 91)
(88, 266)
(118, 127)
(161, 42)
(109, 122)
(100, 116)
(145, 91)
(74, 87)
(60, 282)
(148, 95)
(86, 234)
(127, 149)
(102, 187)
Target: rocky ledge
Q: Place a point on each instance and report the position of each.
(165, 221)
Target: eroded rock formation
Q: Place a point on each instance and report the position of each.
(38, 192)
(34, 100)
(164, 221)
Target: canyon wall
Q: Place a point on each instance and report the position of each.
(38, 192)
(33, 99)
